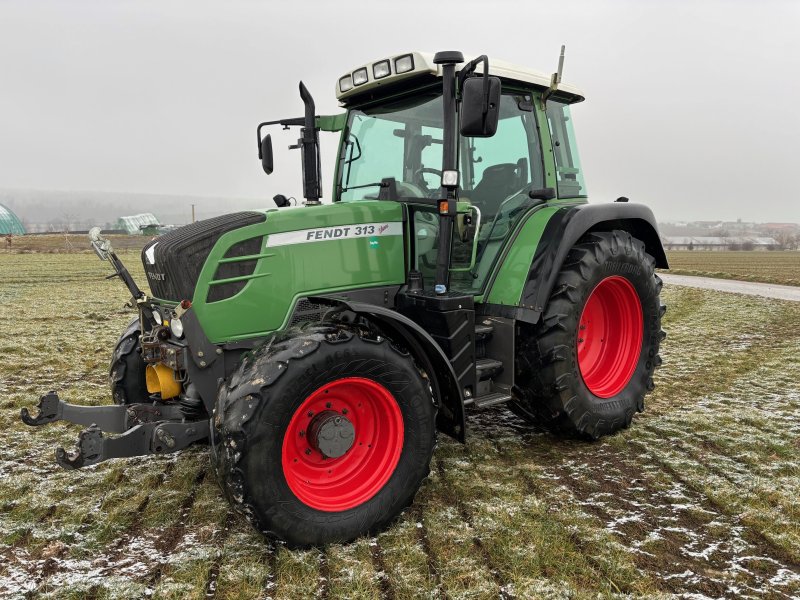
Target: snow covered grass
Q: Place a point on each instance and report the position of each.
(698, 498)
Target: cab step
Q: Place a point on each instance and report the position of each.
(492, 399)
(488, 368)
(483, 332)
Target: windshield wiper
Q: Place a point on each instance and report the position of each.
(383, 184)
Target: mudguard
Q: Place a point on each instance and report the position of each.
(565, 228)
(450, 418)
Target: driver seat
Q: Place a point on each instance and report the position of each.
(498, 182)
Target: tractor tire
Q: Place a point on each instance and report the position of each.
(586, 366)
(126, 373)
(324, 435)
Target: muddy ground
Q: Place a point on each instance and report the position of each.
(698, 499)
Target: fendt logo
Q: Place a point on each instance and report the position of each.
(327, 234)
(343, 232)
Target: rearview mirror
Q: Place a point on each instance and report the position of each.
(266, 154)
(480, 106)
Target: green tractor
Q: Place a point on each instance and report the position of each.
(320, 347)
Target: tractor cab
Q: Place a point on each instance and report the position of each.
(392, 148)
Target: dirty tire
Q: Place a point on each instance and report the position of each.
(264, 410)
(609, 281)
(126, 373)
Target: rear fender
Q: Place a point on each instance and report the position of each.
(564, 230)
(428, 355)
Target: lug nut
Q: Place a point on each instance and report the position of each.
(308, 450)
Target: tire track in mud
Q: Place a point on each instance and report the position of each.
(693, 545)
(696, 546)
(324, 579)
(532, 488)
(422, 538)
(466, 516)
(213, 571)
(750, 533)
(175, 533)
(379, 564)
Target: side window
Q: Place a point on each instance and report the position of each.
(498, 167)
(373, 152)
(568, 165)
(498, 172)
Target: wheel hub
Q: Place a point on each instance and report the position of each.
(331, 434)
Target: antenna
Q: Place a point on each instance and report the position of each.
(555, 79)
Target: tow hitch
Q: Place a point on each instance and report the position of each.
(146, 429)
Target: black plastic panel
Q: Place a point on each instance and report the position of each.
(180, 254)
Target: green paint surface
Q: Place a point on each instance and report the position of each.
(513, 271)
(285, 273)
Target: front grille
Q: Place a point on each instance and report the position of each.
(179, 255)
(239, 268)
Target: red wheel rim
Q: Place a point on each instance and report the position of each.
(610, 336)
(336, 484)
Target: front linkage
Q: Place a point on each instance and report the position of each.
(147, 428)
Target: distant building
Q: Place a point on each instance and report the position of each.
(672, 242)
(9, 222)
(145, 223)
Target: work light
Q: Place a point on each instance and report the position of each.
(176, 327)
(360, 76)
(157, 316)
(345, 83)
(404, 64)
(381, 69)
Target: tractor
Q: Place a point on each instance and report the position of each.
(318, 348)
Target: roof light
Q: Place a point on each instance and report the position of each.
(360, 76)
(404, 64)
(381, 69)
(345, 83)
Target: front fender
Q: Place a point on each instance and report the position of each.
(446, 390)
(564, 230)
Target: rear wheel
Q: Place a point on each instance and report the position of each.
(126, 372)
(324, 436)
(588, 363)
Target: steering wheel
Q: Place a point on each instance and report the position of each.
(420, 180)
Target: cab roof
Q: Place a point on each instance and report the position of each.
(423, 67)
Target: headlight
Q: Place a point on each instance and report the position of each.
(404, 64)
(157, 316)
(176, 327)
(381, 69)
(345, 83)
(360, 77)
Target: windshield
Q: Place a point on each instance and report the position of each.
(401, 140)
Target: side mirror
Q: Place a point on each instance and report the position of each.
(480, 106)
(266, 154)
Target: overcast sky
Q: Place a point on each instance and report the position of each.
(691, 107)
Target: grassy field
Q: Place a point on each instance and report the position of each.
(769, 267)
(60, 243)
(700, 497)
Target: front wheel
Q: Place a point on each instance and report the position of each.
(588, 363)
(126, 371)
(324, 436)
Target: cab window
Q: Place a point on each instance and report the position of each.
(499, 171)
(568, 165)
